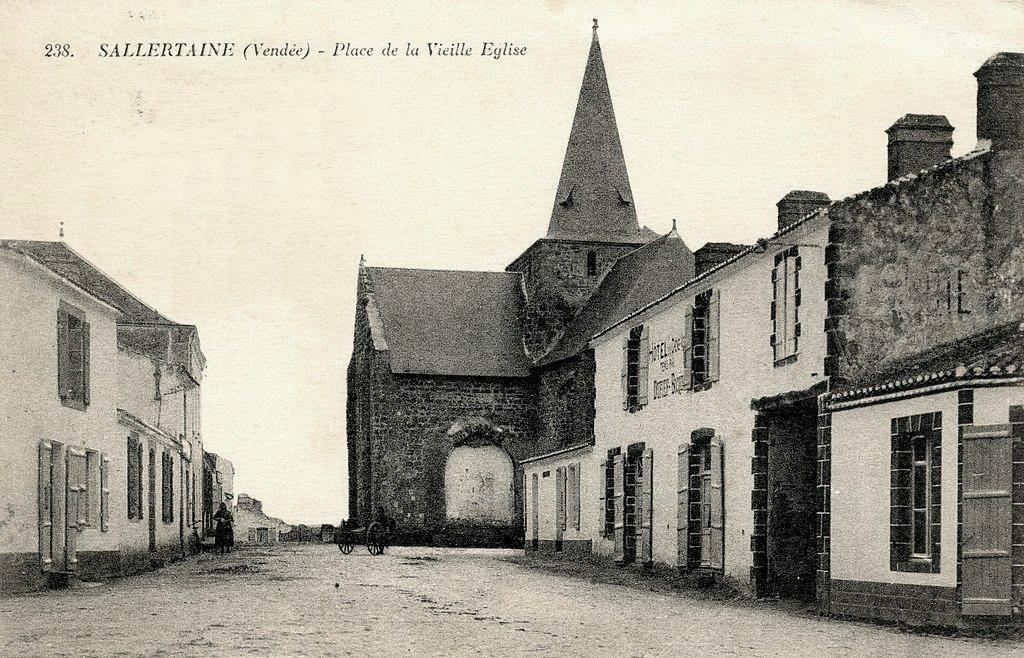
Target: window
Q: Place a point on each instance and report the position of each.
(573, 485)
(635, 369)
(702, 356)
(915, 500)
(134, 477)
(72, 357)
(591, 263)
(700, 520)
(785, 313)
(167, 487)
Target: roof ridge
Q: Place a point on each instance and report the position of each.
(430, 269)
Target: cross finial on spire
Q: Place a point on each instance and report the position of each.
(595, 27)
(62, 229)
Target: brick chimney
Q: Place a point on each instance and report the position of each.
(918, 141)
(1001, 100)
(798, 204)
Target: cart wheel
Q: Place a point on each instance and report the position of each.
(372, 548)
(345, 548)
(376, 538)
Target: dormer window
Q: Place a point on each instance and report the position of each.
(566, 201)
(591, 263)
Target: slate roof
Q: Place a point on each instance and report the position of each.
(994, 353)
(635, 280)
(445, 322)
(594, 200)
(64, 262)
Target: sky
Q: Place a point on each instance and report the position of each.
(238, 195)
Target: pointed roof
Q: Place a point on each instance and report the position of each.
(594, 200)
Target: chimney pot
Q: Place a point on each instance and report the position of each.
(798, 204)
(1001, 100)
(918, 141)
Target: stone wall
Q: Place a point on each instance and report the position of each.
(565, 403)
(558, 285)
(924, 262)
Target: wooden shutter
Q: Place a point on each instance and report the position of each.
(75, 510)
(45, 504)
(778, 299)
(716, 546)
(104, 493)
(63, 355)
(535, 511)
(987, 485)
(642, 367)
(713, 338)
(559, 501)
(602, 510)
(683, 506)
(138, 476)
(618, 469)
(688, 348)
(574, 496)
(59, 505)
(85, 361)
(645, 507)
(625, 372)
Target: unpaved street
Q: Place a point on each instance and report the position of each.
(417, 601)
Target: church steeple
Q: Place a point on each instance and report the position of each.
(594, 201)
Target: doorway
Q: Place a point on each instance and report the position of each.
(792, 501)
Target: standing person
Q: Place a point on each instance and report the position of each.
(225, 531)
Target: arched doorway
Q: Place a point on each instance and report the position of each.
(478, 475)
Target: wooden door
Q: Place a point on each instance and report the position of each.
(152, 500)
(712, 526)
(987, 486)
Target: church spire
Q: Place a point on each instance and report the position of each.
(594, 201)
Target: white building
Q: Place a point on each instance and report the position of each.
(95, 422)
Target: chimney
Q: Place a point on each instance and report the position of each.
(799, 203)
(714, 254)
(918, 141)
(1001, 100)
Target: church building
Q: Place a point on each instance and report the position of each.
(458, 377)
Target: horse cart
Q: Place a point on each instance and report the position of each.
(375, 536)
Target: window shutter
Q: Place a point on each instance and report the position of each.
(642, 368)
(560, 500)
(574, 495)
(683, 506)
(619, 474)
(688, 349)
(717, 534)
(63, 355)
(45, 504)
(138, 487)
(602, 511)
(85, 362)
(777, 283)
(987, 487)
(714, 342)
(625, 372)
(645, 507)
(104, 493)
